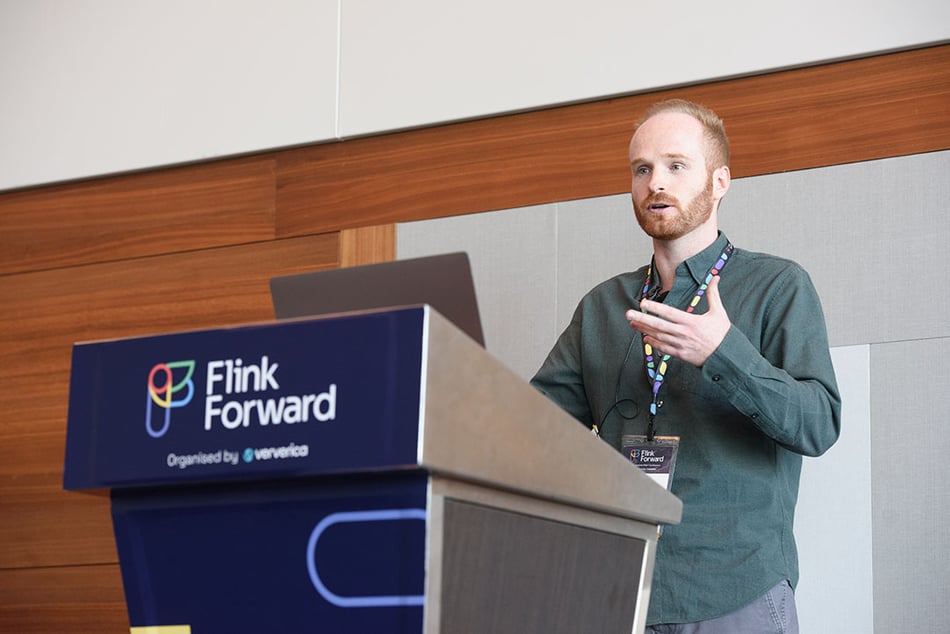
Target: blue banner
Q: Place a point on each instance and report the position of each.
(324, 554)
(329, 395)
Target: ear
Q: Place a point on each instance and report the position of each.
(721, 179)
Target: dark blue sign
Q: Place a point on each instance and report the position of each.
(330, 395)
(326, 554)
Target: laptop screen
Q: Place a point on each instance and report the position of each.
(442, 281)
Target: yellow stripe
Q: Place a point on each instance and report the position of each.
(162, 629)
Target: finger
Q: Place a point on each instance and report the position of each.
(712, 293)
(714, 299)
(657, 308)
(644, 322)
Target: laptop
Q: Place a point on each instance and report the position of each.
(442, 281)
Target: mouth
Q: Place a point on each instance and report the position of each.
(659, 203)
(660, 207)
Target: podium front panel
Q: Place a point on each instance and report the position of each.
(307, 397)
(338, 554)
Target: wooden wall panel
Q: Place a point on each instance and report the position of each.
(42, 526)
(166, 211)
(45, 312)
(861, 110)
(67, 600)
(858, 110)
(367, 245)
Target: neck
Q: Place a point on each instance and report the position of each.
(669, 254)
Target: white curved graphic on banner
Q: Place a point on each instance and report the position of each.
(381, 515)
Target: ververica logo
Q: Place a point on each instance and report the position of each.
(169, 386)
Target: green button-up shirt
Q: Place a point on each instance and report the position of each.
(764, 398)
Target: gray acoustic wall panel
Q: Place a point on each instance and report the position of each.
(873, 235)
(514, 270)
(596, 239)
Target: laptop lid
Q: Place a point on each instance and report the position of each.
(442, 281)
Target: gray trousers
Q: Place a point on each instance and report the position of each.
(772, 613)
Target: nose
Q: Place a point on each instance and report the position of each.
(656, 184)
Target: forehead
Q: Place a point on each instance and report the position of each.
(668, 134)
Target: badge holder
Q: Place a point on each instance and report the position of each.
(656, 457)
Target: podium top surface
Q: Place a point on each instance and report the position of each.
(371, 391)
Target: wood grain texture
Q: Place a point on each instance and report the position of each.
(67, 617)
(41, 525)
(367, 245)
(69, 599)
(890, 105)
(47, 311)
(149, 213)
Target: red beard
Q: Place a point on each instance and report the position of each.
(670, 226)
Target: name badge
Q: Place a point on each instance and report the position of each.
(655, 458)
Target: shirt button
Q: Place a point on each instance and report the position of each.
(754, 416)
(716, 378)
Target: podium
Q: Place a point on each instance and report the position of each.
(364, 472)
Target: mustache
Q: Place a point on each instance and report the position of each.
(661, 199)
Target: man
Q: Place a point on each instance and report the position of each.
(720, 352)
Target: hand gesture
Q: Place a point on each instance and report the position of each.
(686, 336)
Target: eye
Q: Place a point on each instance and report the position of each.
(641, 170)
(675, 167)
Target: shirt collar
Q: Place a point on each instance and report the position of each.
(698, 265)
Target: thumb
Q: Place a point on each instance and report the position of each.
(712, 294)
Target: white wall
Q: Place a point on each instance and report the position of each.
(99, 86)
(833, 521)
(90, 87)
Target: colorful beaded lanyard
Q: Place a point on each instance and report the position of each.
(657, 372)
